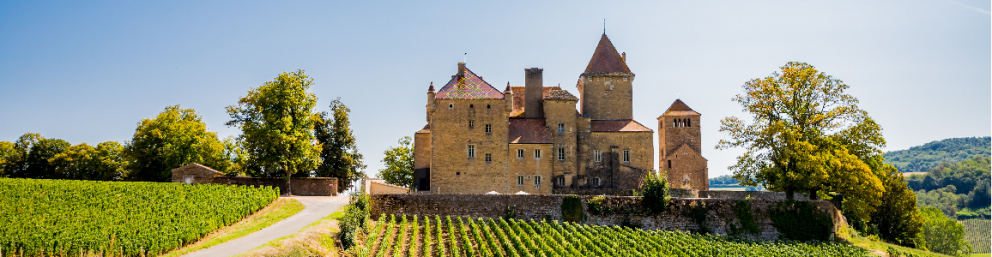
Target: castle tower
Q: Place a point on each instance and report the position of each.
(680, 148)
(605, 86)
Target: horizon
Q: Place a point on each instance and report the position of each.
(89, 72)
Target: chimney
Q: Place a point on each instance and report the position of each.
(623, 56)
(461, 69)
(534, 93)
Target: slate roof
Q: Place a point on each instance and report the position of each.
(679, 108)
(617, 126)
(606, 59)
(468, 86)
(529, 131)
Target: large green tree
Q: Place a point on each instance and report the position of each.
(399, 164)
(806, 134)
(943, 234)
(339, 153)
(104, 162)
(897, 217)
(277, 123)
(175, 137)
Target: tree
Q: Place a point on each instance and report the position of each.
(175, 137)
(9, 158)
(82, 161)
(943, 235)
(897, 218)
(806, 135)
(36, 164)
(339, 154)
(277, 121)
(399, 164)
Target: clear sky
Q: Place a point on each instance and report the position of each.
(89, 71)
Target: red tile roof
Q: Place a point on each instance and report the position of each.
(617, 126)
(529, 131)
(468, 86)
(560, 95)
(679, 108)
(606, 59)
(519, 93)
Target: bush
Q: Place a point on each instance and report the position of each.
(655, 192)
(800, 220)
(356, 215)
(571, 209)
(943, 235)
(596, 205)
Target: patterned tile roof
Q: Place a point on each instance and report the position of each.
(560, 95)
(606, 59)
(529, 131)
(617, 126)
(679, 108)
(468, 86)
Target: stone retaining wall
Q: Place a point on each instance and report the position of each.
(301, 186)
(623, 210)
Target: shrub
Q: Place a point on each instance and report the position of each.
(571, 209)
(943, 235)
(655, 192)
(800, 220)
(356, 215)
(596, 205)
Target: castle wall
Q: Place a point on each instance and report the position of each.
(607, 97)
(421, 150)
(452, 171)
(529, 167)
(640, 145)
(720, 213)
(563, 112)
(686, 169)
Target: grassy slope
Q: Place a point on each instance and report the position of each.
(879, 247)
(316, 239)
(278, 210)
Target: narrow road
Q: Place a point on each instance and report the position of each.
(315, 208)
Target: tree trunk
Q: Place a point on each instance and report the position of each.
(790, 194)
(289, 184)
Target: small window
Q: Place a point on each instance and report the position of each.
(471, 106)
(458, 173)
(561, 153)
(624, 78)
(561, 181)
(471, 124)
(597, 155)
(471, 151)
(520, 180)
(688, 123)
(489, 128)
(537, 181)
(561, 127)
(489, 157)
(669, 164)
(537, 153)
(188, 179)
(626, 155)
(488, 107)
(451, 106)
(595, 182)
(520, 153)
(675, 123)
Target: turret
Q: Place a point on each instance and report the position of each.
(508, 97)
(430, 102)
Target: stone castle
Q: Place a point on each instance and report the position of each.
(532, 139)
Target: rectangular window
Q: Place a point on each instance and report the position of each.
(669, 164)
(595, 182)
(537, 153)
(561, 127)
(471, 151)
(561, 181)
(489, 157)
(537, 181)
(471, 124)
(597, 156)
(520, 180)
(520, 153)
(561, 153)
(626, 155)
(489, 128)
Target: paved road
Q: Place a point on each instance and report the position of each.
(315, 207)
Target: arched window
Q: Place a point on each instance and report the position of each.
(688, 122)
(675, 123)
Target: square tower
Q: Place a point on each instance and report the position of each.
(680, 148)
(606, 85)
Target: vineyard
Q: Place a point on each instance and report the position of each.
(976, 232)
(456, 237)
(65, 217)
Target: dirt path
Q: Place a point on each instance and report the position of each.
(315, 207)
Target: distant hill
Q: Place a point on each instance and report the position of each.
(928, 156)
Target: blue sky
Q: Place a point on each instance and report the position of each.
(90, 71)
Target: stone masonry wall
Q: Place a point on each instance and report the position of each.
(624, 210)
(301, 186)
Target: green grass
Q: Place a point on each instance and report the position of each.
(279, 210)
(980, 255)
(876, 245)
